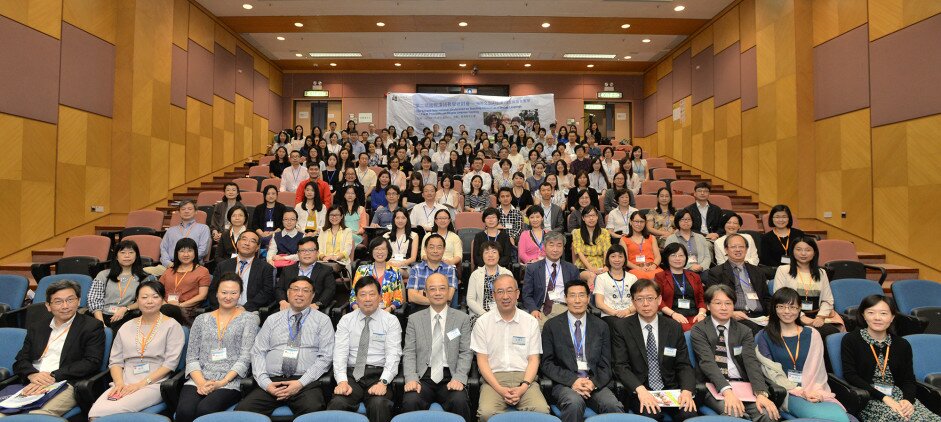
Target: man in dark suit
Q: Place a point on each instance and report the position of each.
(320, 276)
(543, 285)
(436, 365)
(552, 214)
(60, 345)
(576, 356)
(257, 275)
(725, 351)
(748, 282)
(706, 215)
(654, 358)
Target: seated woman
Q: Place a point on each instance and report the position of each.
(219, 354)
(404, 242)
(311, 214)
(413, 195)
(681, 291)
(453, 247)
(589, 244)
(336, 241)
(733, 223)
(805, 275)
(428, 177)
(111, 294)
(597, 179)
(447, 195)
(354, 213)
(619, 217)
(219, 221)
(660, 219)
(283, 245)
(880, 362)
(393, 290)
(697, 247)
(610, 198)
(613, 288)
(186, 282)
(792, 356)
(581, 185)
(377, 198)
(145, 351)
(281, 161)
(575, 217)
(530, 243)
(522, 196)
(350, 181)
(643, 255)
(478, 198)
(268, 216)
(502, 175)
(777, 244)
(492, 233)
(480, 285)
(237, 216)
(558, 196)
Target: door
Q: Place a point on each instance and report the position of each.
(318, 114)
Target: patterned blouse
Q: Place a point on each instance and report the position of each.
(392, 288)
(593, 253)
(512, 221)
(477, 202)
(237, 340)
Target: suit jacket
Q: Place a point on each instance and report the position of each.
(82, 351)
(705, 338)
(557, 220)
(723, 274)
(630, 354)
(260, 290)
(713, 218)
(325, 284)
(416, 356)
(558, 351)
(535, 283)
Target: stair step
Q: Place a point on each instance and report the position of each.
(47, 255)
(871, 258)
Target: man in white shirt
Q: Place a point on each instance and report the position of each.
(366, 176)
(441, 156)
(366, 355)
(477, 166)
(293, 175)
(508, 344)
(424, 214)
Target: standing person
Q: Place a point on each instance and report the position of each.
(492, 233)
(291, 352)
(366, 355)
(543, 285)
(508, 344)
(436, 367)
(581, 369)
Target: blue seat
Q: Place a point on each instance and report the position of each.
(705, 410)
(849, 292)
(81, 279)
(924, 346)
(558, 412)
(436, 407)
(619, 417)
(852, 398)
(427, 415)
(34, 418)
(714, 418)
(13, 290)
(521, 416)
(162, 406)
(133, 417)
(332, 416)
(912, 294)
(233, 416)
(11, 341)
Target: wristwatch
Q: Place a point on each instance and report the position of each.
(762, 393)
(148, 381)
(384, 382)
(528, 383)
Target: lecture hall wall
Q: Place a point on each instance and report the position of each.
(117, 102)
(830, 105)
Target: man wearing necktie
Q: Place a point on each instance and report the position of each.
(544, 282)
(257, 275)
(576, 356)
(436, 367)
(366, 355)
(748, 282)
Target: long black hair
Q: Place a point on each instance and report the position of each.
(583, 229)
(137, 267)
(185, 243)
(784, 296)
(814, 263)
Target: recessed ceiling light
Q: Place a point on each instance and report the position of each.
(505, 55)
(627, 57)
(398, 64)
(335, 55)
(419, 54)
(280, 38)
(247, 6)
(588, 56)
(380, 24)
(333, 64)
(545, 24)
(298, 54)
(645, 40)
(527, 65)
(298, 24)
(625, 26)
(463, 65)
(679, 8)
(591, 65)
(462, 24)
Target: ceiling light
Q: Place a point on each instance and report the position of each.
(645, 40)
(591, 65)
(588, 56)
(335, 55)
(280, 38)
(463, 65)
(505, 55)
(419, 55)
(527, 65)
(398, 64)
(625, 26)
(298, 54)
(679, 8)
(380, 24)
(545, 24)
(298, 24)
(247, 6)
(462, 24)
(627, 57)
(333, 64)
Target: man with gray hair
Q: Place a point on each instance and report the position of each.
(544, 283)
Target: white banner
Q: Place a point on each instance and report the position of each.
(474, 111)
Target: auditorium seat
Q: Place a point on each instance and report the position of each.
(201, 217)
(683, 201)
(148, 245)
(721, 201)
(259, 171)
(650, 187)
(246, 184)
(685, 187)
(81, 254)
(750, 223)
(252, 199)
(645, 202)
(208, 198)
(271, 181)
(468, 219)
(663, 174)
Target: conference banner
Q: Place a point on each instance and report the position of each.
(473, 111)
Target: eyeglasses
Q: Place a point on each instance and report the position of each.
(60, 302)
(725, 303)
(300, 290)
(646, 299)
(311, 250)
(502, 292)
(290, 219)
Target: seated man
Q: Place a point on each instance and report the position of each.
(422, 270)
(725, 351)
(423, 215)
(320, 276)
(436, 367)
(366, 355)
(508, 344)
(706, 215)
(257, 276)
(44, 358)
(650, 354)
(543, 286)
(752, 298)
(188, 227)
(576, 356)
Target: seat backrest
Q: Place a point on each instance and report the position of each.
(849, 292)
(427, 415)
(663, 173)
(682, 201)
(834, 352)
(467, 237)
(133, 417)
(137, 231)
(271, 181)
(750, 223)
(148, 245)
(76, 265)
(619, 155)
(645, 202)
(924, 346)
(89, 245)
(836, 250)
(468, 219)
(683, 186)
(13, 290)
(767, 224)
(650, 187)
(259, 170)
(11, 341)
(208, 197)
(201, 217)
(655, 163)
(287, 199)
(145, 218)
(109, 339)
(246, 184)
(523, 416)
(324, 416)
(252, 199)
(83, 280)
(721, 201)
(911, 294)
(266, 160)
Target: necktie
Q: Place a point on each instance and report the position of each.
(437, 352)
(653, 364)
(722, 352)
(289, 365)
(547, 305)
(242, 265)
(750, 304)
(579, 347)
(359, 369)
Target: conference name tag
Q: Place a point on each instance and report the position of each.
(141, 368)
(379, 336)
(682, 303)
(785, 260)
(519, 340)
(807, 306)
(883, 388)
(173, 298)
(737, 350)
(752, 296)
(692, 258)
(582, 365)
(794, 376)
(269, 224)
(453, 334)
(669, 351)
(218, 354)
(291, 353)
(641, 258)
(110, 309)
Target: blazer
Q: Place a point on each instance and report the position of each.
(713, 218)
(705, 338)
(723, 274)
(218, 220)
(534, 283)
(325, 284)
(260, 289)
(82, 351)
(859, 365)
(557, 220)
(558, 351)
(258, 217)
(416, 355)
(630, 354)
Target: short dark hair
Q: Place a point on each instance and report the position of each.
(186, 243)
(154, 285)
(870, 301)
(302, 278)
(57, 286)
(231, 276)
(644, 283)
(186, 202)
(489, 244)
(239, 206)
(717, 288)
(778, 208)
(670, 250)
(535, 209)
(701, 185)
(308, 239)
(365, 282)
(434, 236)
(488, 212)
(576, 283)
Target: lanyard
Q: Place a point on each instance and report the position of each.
(334, 235)
(291, 334)
(885, 363)
(399, 243)
(178, 280)
(46, 350)
(682, 287)
(187, 232)
(626, 217)
(150, 335)
(533, 237)
(743, 280)
(297, 173)
(783, 244)
(805, 285)
(378, 275)
(269, 214)
(623, 287)
(232, 238)
(220, 327)
(428, 212)
(123, 290)
(332, 175)
(794, 357)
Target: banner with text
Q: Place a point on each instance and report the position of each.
(474, 111)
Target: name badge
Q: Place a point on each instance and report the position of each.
(794, 376)
(269, 224)
(752, 296)
(582, 365)
(141, 368)
(692, 258)
(883, 388)
(669, 351)
(737, 350)
(641, 258)
(398, 257)
(291, 352)
(453, 334)
(218, 354)
(519, 340)
(233, 255)
(379, 336)
(682, 303)
(173, 298)
(110, 309)
(807, 306)
(785, 260)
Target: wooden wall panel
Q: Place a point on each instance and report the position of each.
(650, 83)
(844, 173)
(728, 142)
(97, 17)
(683, 131)
(223, 133)
(201, 28)
(665, 137)
(27, 182)
(199, 130)
(750, 150)
(833, 18)
(888, 16)
(42, 15)
(83, 168)
(664, 69)
(726, 29)
(176, 169)
(703, 136)
(181, 13)
(261, 138)
(701, 41)
(274, 81)
(747, 24)
(224, 38)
